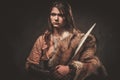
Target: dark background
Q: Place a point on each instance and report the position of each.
(23, 21)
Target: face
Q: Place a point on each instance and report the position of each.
(56, 18)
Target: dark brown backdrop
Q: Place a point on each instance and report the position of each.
(23, 21)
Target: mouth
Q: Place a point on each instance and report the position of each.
(56, 23)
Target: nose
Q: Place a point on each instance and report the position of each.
(56, 17)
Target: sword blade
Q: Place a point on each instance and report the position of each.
(83, 39)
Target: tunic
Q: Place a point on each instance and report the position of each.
(59, 51)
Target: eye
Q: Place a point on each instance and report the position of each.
(53, 14)
(61, 15)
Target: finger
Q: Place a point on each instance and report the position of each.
(57, 66)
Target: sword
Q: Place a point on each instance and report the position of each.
(83, 40)
(80, 45)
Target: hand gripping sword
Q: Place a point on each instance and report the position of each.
(80, 45)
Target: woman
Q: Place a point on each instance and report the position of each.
(51, 56)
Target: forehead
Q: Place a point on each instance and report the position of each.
(55, 10)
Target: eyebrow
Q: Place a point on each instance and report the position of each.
(54, 14)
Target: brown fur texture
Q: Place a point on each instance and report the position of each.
(66, 47)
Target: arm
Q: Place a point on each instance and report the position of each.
(86, 62)
(35, 54)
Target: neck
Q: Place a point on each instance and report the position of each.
(57, 31)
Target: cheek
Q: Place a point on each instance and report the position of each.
(61, 20)
(51, 19)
